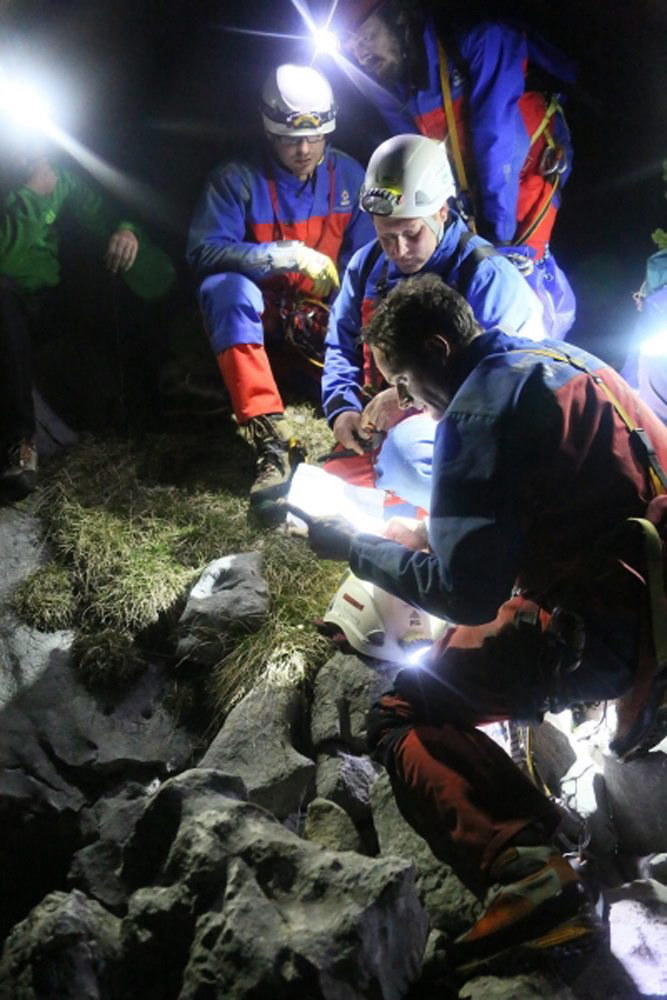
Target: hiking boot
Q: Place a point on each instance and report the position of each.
(19, 474)
(278, 453)
(538, 905)
(641, 715)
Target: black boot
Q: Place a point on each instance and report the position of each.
(278, 453)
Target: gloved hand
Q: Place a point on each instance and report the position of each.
(319, 268)
(328, 537)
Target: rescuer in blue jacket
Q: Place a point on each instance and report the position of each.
(268, 239)
(491, 91)
(406, 190)
(515, 145)
(546, 547)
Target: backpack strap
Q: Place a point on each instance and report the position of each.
(469, 264)
(368, 265)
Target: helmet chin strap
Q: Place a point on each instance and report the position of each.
(436, 225)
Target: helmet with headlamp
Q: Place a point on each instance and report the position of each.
(408, 177)
(297, 101)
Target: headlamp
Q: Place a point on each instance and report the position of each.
(299, 119)
(380, 201)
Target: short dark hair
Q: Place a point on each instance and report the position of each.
(416, 310)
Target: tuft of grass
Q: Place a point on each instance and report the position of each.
(46, 599)
(107, 662)
(131, 525)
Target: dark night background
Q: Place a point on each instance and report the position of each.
(162, 91)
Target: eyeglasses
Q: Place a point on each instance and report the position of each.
(295, 140)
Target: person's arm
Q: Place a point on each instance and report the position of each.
(487, 448)
(342, 374)
(495, 56)
(218, 237)
(359, 230)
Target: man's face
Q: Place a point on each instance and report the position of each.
(376, 49)
(420, 385)
(409, 243)
(299, 154)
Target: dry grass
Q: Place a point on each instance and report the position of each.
(132, 525)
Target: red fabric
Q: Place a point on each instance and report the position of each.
(247, 374)
(456, 786)
(359, 470)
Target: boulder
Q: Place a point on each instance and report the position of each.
(260, 911)
(330, 826)
(68, 946)
(347, 779)
(345, 688)
(231, 594)
(256, 744)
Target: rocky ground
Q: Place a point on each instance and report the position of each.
(273, 863)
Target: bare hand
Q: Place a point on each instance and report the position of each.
(406, 531)
(348, 432)
(382, 413)
(42, 178)
(121, 251)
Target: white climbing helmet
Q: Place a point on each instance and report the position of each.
(407, 177)
(297, 100)
(378, 624)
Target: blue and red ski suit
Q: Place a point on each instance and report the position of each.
(534, 477)
(240, 251)
(504, 130)
(498, 295)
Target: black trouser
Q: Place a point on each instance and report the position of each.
(18, 317)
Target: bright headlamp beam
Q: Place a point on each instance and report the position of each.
(23, 105)
(655, 346)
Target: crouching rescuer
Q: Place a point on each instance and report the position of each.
(267, 241)
(545, 547)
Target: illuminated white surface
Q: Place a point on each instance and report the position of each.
(321, 494)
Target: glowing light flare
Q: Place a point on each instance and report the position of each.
(655, 346)
(24, 105)
(326, 42)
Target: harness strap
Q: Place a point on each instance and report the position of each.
(273, 194)
(551, 110)
(451, 128)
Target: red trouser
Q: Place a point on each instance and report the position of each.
(454, 784)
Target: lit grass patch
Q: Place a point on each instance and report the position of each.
(132, 525)
(46, 599)
(287, 647)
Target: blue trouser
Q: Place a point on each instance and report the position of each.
(232, 307)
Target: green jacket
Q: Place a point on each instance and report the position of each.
(29, 239)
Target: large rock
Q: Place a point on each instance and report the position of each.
(230, 594)
(347, 779)
(59, 746)
(263, 912)
(330, 826)
(68, 947)
(345, 688)
(450, 905)
(256, 744)
(637, 794)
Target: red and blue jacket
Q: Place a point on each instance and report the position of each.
(496, 117)
(495, 289)
(249, 211)
(532, 468)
